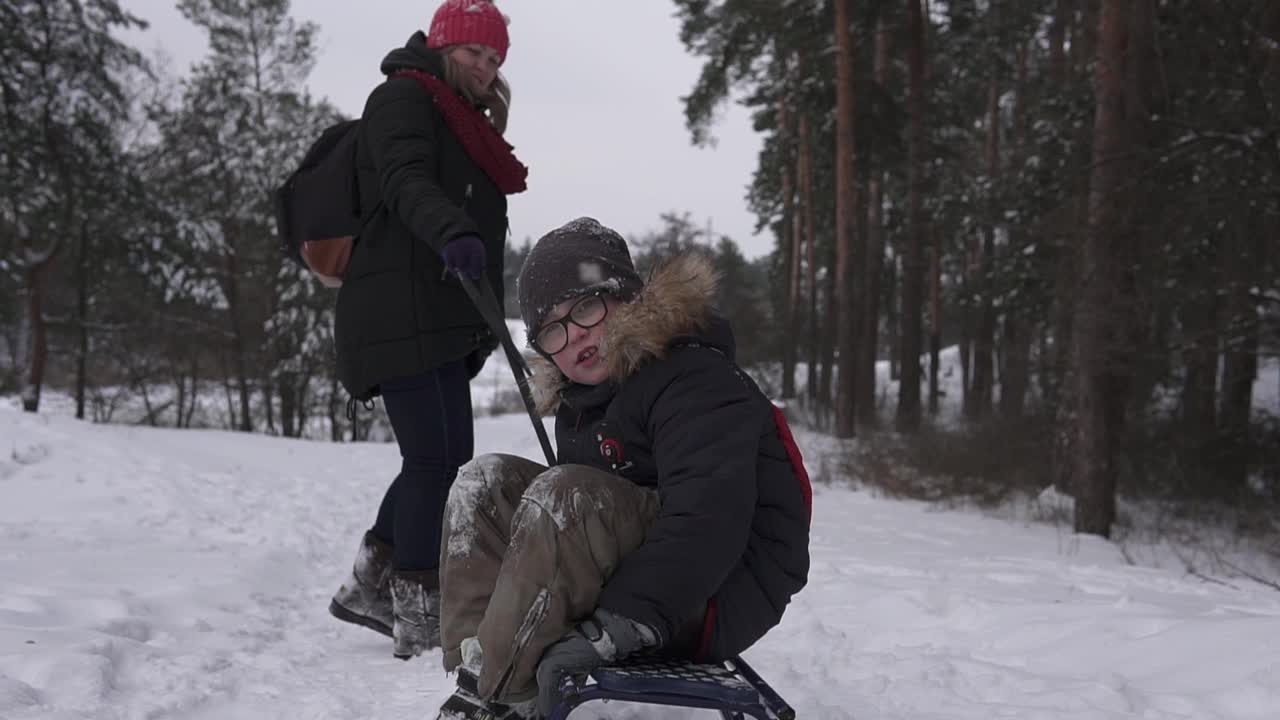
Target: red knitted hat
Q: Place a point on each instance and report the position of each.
(459, 22)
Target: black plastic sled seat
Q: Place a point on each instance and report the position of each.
(733, 688)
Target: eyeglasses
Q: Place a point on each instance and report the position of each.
(588, 312)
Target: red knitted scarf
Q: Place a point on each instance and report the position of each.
(483, 143)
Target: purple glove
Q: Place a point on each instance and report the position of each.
(464, 254)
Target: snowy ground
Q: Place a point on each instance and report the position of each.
(185, 574)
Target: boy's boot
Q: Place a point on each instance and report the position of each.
(365, 598)
(415, 602)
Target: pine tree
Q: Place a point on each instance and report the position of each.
(60, 65)
(245, 119)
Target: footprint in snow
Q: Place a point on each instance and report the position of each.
(30, 454)
(15, 694)
(135, 629)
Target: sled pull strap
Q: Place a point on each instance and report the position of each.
(486, 301)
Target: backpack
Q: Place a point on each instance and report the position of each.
(318, 214)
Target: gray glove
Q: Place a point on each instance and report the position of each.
(600, 639)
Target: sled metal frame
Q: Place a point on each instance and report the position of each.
(767, 705)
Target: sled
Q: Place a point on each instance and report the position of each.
(732, 688)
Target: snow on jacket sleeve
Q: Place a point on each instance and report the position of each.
(703, 425)
(404, 143)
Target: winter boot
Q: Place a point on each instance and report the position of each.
(465, 703)
(365, 598)
(415, 602)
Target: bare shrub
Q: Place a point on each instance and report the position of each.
(982, 465)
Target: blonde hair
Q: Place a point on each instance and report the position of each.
(497, 102)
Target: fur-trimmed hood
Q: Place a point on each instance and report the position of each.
(676, 302)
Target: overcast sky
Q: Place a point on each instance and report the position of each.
(596, 113)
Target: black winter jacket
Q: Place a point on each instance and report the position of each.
(398, 314)
(730, 545)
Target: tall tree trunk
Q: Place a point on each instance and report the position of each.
(228, 391)
(935, 319)
(1057, 41)
(1059, 381)
(82, 319)
(873, 266)
(287, 385)
(1241, 326)
(185, 421)
(1145, 95)
(243, 386)
(891, 316)
(180, 389)
(1104, 354)
(1085, 51)
(1044, 362)
(303, 403)
(1017, 322)
(1200, 316)
(1154, 335)
(141, 381)
(811, 248)
(1017, 367)
(1063, 398)
(864, 325)
(790, 244)
(967, 316)
(36, 263)
(269, 403)
(981, 393)
(908, 415)
(238, 345)
(829, 318)
(35, 330)
(846, 207)
(333, 408)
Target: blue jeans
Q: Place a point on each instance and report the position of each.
(431, 416)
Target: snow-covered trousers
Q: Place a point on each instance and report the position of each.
(525, 553)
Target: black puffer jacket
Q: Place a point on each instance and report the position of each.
(398, 314)
(731, 543)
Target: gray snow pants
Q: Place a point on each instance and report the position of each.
(525, 553)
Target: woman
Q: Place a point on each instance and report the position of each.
(432, 164)
(678, 518)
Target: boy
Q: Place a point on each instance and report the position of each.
(677, 519)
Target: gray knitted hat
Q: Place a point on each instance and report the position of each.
(577, 258)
